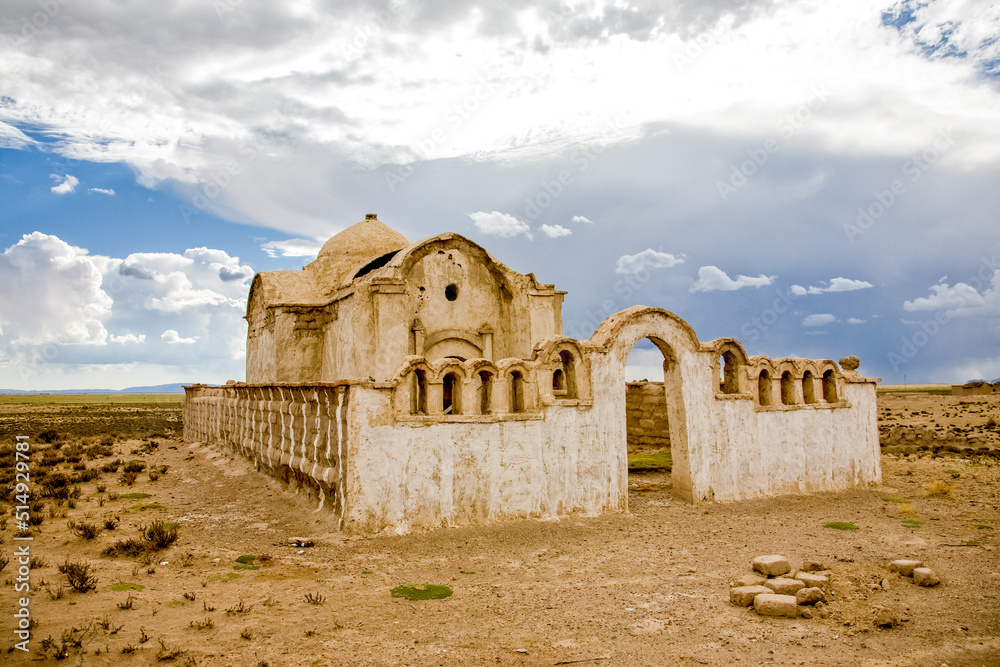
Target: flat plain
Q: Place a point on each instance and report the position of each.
(191, 559)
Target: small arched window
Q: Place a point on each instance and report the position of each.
(485, 392)
(808, 387)
(418, 402)
(764, 388)
(558, 382)
(452, 395)
(516, 392)
(787, 389)
(830, 387)
(729, 383)
(568, 374)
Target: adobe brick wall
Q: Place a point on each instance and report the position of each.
(646, 415)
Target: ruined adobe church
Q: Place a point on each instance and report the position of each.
(414, 385)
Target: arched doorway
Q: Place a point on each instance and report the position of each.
(666, 340)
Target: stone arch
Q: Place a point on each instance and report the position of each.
(566, 368)
(676, 340)
(483, 376)
(830, 383)
(518, 395)
(729, 365)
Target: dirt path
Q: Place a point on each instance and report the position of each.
(647, 588)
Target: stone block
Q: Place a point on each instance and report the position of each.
(905, 567)
(771, 566)
(743, 596)
(809, 596)
(772, 604)
(811, 580)
(924, 576)
(784, 586)
(812, 566)
(751, 580)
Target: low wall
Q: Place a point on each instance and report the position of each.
(646, 423)
(296, 433)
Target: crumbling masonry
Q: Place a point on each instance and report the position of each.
(416, 385)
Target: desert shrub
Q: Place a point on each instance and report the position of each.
(111, 524)
(79, 576)
(127, 478)
(87, 531)
(135, 465)
(111, 466)
(130, 547)
(159, 535)
(48, 437)
(88, 474)
(73, 454)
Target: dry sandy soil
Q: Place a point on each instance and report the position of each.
(647, 588)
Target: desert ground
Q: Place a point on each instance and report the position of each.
(205, 572)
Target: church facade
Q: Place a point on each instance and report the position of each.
(417, 385)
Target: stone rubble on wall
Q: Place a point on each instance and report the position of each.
(646, 415)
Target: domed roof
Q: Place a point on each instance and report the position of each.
(353, 248)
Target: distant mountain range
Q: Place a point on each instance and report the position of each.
(173, 388)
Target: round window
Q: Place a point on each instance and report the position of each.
(451, 292)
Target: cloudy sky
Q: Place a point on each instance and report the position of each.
(815, 179)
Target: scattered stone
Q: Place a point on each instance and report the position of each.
(905, 567)
(784, 586)
(742, 596)
(772, 566)
(522, 651)
(885, 584)
(850, 363)
(809, 596)
(812, 566)
(811, 580)
(805, 612)
(772, 604)
(751, 580)
(924, 576)
(300, 542)
(886, 618)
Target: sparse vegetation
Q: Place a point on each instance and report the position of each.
(840, 525)
(80, 576)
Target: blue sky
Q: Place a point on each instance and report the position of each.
(813, 179)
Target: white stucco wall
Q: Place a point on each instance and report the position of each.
(407, 476)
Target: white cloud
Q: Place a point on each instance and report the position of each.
(171, 337)
(818, 320)
(835, 285)
(60, 302)
(960, 299)
(52, 293)
(854, 320)
(712, 278)
(555, 231)
(292, 248)
(581, 219)
(110, 191)
(66, 185)
(499, 224)
(127, 339)
(646, 260)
